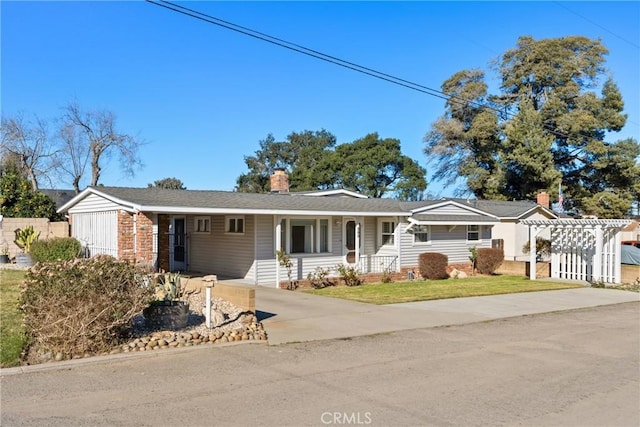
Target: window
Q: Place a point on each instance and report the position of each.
(306, 236)
(421, 234)
(202, 224)
(235, 224)
(473, 232)
(387, 232)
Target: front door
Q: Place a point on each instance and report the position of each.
(350, 241)
(178, 244)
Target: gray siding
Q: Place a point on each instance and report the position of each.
(449, 210)
(303, 265)
(370, 236)
(452, 243)
(266, 264)
(225, 254)
(94, 203)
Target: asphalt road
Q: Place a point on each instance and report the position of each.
(572, 368)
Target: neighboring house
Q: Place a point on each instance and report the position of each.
(236, 235)
(510, 234)
(59, 197)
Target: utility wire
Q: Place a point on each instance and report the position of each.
(340, 62)
(598, 25)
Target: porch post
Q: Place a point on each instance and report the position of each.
(617, 272)
(596, 275)
(278, 244)
(555, 255)
(357, 242)
(532, 252)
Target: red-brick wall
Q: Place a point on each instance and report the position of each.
(125, 236)
(144, 238)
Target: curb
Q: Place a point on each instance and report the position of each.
(70, 364)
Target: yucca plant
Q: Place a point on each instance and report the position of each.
(25, 237)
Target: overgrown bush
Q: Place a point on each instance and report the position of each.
(489, 259)
(56, 249)
(350, 275)
(319, 278)
(433, 265)
(81, 306)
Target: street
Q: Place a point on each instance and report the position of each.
(570, 368)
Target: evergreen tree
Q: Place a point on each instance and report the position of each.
(546, 126)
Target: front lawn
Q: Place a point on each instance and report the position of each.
(391, 293)
(12, 336)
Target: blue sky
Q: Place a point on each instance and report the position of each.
(203, 97)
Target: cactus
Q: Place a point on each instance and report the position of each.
(172, 285)
(25, 237)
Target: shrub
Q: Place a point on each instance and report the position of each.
(56, 249)
(350, 275)
(319, 278)
(386, 276)
(543, 247)
(81, 306)
(433, 265)
(489, 259)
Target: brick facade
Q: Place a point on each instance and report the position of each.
(125, 236)
(142, 238)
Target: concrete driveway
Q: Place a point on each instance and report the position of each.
(298, 317)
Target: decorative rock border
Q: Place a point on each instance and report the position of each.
(163, 340)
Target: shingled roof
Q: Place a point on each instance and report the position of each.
(206, 201)
(158, 199)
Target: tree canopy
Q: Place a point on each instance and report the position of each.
(545, 128)
(372, 166)
(168, 183)
(18, 199)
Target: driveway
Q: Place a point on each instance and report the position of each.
(297, 317)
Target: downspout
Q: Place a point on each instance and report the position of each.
(278, 242)
(135, 236)
(532, 252)
(398, 244)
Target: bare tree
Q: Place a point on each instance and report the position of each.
(28, 144)
(91, 137)
(73, 157)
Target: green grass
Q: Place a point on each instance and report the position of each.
(12, 336)
(391, 293)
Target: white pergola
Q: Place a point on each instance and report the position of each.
(581, 249)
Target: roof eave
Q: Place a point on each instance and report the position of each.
(253, 211)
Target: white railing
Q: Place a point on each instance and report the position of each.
(378, 263)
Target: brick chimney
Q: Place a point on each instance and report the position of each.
(543, 199)
(279, 181)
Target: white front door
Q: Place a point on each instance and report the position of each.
(351, 249)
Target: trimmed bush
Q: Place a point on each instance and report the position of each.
(433, 265)
(350, 275)
(489, 259)
(56, 249)
(82, 306)
(319, 278)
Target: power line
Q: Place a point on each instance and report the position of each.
(343, 63)
(598, 25)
